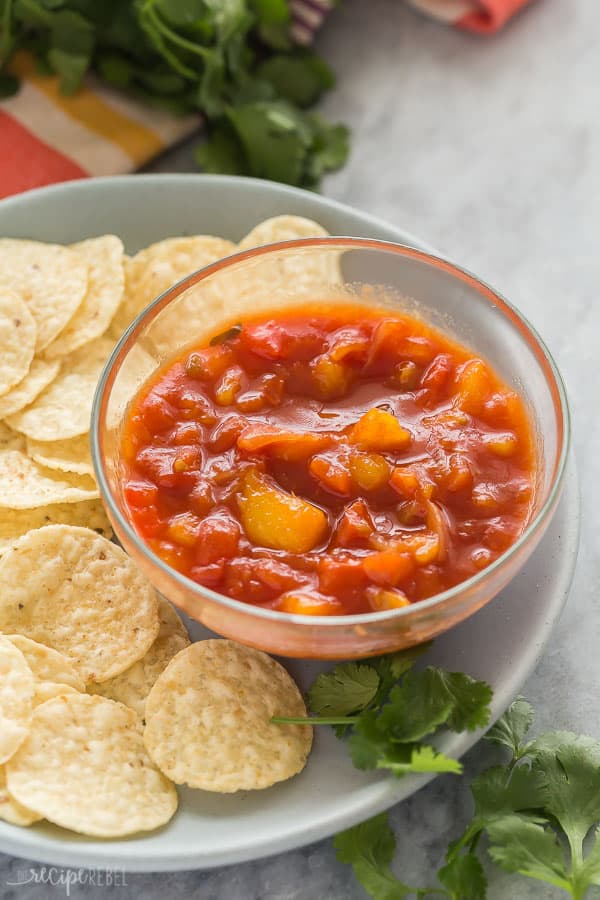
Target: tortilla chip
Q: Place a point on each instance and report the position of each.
(17, 340)
(51, 279)
(40, 375)
(106, 282)
(63, 410)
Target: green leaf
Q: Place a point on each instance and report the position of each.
(271, 12)
(348, 688)
(368, 744)
(570, 766)
(499, 792)
(590, 872)
(221, 152)
(404, 759)
(464, 877)
(330, 149)
(275, 139)
(518, 845)
(300, 78)
(392, 666)
(72, 43)
(425, 700)
(182, 12)
(369, 849)
(511, 728)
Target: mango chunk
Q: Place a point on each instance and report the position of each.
(379, 430)
(292, 446)
(273, 518)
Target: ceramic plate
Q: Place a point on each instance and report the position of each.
(500, 644)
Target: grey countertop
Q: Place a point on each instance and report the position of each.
(489, 148)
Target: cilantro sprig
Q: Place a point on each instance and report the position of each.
(386, 709)
(230, 59)
(538, 812)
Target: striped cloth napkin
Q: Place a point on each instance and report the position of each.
(47, 137)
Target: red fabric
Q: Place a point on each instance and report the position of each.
(28, 162)
(492, 16)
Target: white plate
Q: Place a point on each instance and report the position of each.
(500, 644)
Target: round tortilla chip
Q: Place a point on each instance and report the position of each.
(51, 279)
(84, 766)
(48, 690)
(71, 455)
(16, 698)
(106, 283)
(10, 810)
(25, 485)
(208, 719)
(133, 686)
(159, 266)
(281, 228)
(47, 664)
(63, 410)
(40, 375)
(17, 340)
(16, 522)
(73, 590)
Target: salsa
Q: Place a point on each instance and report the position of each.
(330, 460)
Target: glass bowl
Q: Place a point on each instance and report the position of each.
(362, 271)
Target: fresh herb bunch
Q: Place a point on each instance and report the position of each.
(384, 708)
(537, 811)
(230, 59)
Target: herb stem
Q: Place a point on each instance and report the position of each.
(314, 720)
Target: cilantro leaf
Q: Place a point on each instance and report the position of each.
(369, 849)
(300, 78)
(590, 871)
(518, 845)
(570, 765)
(425, 700)
(511, 728)
(498, 792)
(419, 758)
(464, 877)
(348, 688)
(274, 138)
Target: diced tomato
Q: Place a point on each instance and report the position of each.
(436, 379)
(274, 341)
(208, 364)
(277, 575)
(388, 567)
(170, 467)
(387, 337)
(354, 526)
(147, 520)
(226, 433)
(341, 574)
(210, 576)
(218, 538)
(293, 446)
(349, 344)
(157, 414)
(331, 475)
(140, 493)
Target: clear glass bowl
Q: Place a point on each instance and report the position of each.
(369, 272)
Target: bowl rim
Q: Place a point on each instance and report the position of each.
(520, 322)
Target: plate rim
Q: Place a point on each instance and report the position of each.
(386, 792)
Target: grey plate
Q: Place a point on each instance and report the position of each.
(500, 644)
